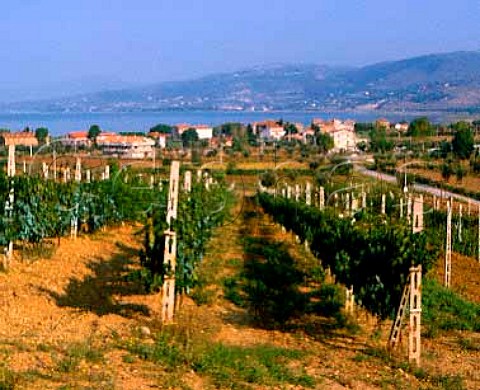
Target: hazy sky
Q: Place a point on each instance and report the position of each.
(50, 42)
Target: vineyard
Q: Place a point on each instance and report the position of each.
(365, 238)
(372, 256)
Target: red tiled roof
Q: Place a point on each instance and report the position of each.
(78, 134)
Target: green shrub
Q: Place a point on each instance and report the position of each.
(443, 309)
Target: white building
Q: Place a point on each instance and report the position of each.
(269, 130)
(126, 146)
(343, 133)
(76, 139)
(160, 139)
(203, 131)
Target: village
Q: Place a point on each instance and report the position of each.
(136, 145)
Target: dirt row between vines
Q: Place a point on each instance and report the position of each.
(80, 296)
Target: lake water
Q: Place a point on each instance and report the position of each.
(61, 123)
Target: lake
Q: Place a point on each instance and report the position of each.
(61, 123)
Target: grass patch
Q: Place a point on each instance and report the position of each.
(8, 380)
(232, 290)
(163, 352)
(467, 344)
(237, 367)
(448, 382)
(271, 282)
(443, 309)
(77, 352)
(42, 250)
(225, 366)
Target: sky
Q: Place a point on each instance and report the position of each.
(57, 45)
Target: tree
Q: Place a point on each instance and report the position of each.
(93, 133)
(447, 171)
(189, 136)
(230, 129)
(420, 127)
(290, 128)
(251, 137)
(325, 142)
(161, 128)
(379, 142)
(460, 172)
(462, 143)
(445, 148)
(41, 134)
(364, 128)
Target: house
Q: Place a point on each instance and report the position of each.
(76, 139)
(159, 138)
(402, 127)
(203, 131)
(126, 146)
(225, 140)
(382, 123)
(269, 130)
(342, 132)
(21, 138)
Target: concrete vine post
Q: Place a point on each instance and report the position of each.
(11, 161)
(187, 181)
(417, 225)
(349, 300)
(308, 194)
(321, 202)
(78, 170)
(479, 233)
(45, 170)
(74, 223)
(409, 208)
(414, 334)
(54, 163)
(170, 252)
(448, 246)
(460, 223)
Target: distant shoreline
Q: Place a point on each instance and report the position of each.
(62, 122)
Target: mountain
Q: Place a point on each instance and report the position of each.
(437, 82)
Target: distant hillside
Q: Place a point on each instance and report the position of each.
(439, 82)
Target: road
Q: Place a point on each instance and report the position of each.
(417, 187)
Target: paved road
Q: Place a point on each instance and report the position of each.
(417, 187)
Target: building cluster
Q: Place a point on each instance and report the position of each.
(343, 133)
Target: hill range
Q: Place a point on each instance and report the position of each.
(439, 82)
